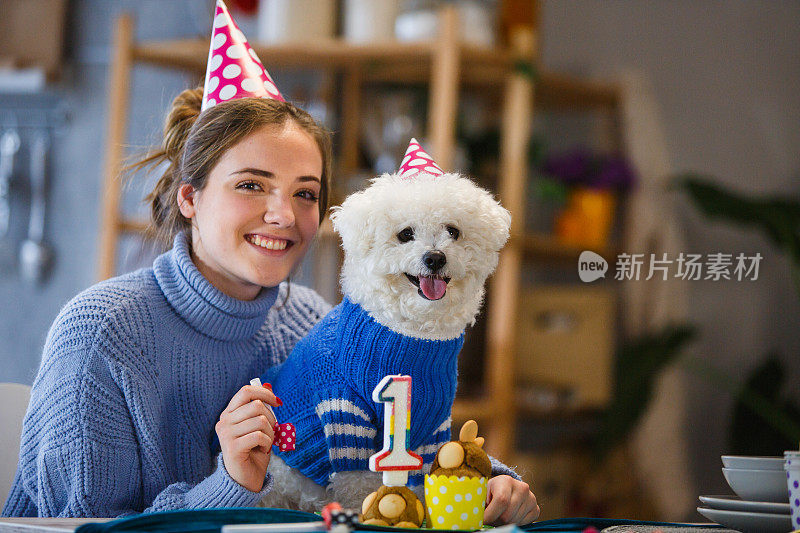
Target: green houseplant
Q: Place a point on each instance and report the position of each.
(764, 421)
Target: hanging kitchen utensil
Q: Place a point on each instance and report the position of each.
(35, 255)
(9, 145)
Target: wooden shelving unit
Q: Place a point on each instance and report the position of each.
(445, 65)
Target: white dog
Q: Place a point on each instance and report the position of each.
(417, 252)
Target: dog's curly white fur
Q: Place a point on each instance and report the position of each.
(447, 214)
(375, 262)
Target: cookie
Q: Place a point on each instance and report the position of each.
(463, 457)
(392, 506)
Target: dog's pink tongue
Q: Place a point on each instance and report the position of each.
(432, 288)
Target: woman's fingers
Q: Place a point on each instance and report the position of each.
(248, 393)
(250, 441)
(497, 498)
(247, 413)
(513, 514)
(250, 410)
(510, 501)
(532, 514)
(257, 423)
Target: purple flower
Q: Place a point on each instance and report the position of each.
(614, 173)
(581, 167)
(571, 167)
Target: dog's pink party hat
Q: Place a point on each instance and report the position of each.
(234, 70)
(416, 161)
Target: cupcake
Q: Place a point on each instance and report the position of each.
(455, 490)
(392, 506)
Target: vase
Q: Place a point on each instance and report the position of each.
(587, 219)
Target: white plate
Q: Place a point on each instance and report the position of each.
(749, 522)
(753, 462)
(735, 503)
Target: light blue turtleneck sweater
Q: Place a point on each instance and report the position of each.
(135, 373)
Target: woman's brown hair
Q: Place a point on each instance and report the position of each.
(194, 142)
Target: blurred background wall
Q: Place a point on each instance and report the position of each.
(725, 76)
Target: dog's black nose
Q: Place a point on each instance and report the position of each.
(434, 260)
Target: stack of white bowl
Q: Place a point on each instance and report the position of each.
(761, 503)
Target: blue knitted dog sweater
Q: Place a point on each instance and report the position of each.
(326, 385)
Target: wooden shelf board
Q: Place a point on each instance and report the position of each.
(337, 53)
(393, 62)
(484, 75)
(185, 54)
(472, 408)
(193, 53)
(556, 415)
(552, 91)
(547, 247)
(482, 408)
(563, 91)
(133, 226)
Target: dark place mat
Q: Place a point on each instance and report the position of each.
(211, 520)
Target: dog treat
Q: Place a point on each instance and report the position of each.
(455, 490)
(464, 457)
(451, 455)
(392, 506)
(469, 431)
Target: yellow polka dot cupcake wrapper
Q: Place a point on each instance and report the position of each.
(455, 502)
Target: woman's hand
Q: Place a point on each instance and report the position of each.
(509, 501)
(246, 432)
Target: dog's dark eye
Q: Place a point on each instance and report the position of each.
(406, 235)
(454, 232)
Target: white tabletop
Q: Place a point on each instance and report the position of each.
(44, 525)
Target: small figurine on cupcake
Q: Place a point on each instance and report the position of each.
(456, 488)
(459, 493)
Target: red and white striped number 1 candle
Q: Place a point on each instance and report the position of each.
(395, 460)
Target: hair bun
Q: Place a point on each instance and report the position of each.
(185, 110)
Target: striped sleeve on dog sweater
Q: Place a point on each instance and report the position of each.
(326, 386)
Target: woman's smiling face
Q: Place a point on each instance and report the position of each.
(256, 217)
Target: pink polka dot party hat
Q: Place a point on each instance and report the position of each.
(234, 70)
(417, 160)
